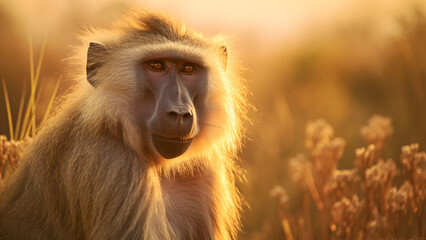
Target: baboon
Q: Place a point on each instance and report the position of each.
(144, 147)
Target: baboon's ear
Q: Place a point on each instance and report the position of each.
(224, 56)
(94, 56)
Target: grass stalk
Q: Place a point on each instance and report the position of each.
(287, 229)
(40, 91)
(27, 130)
(33, 84)
(26, 119)
(30, 112)
(40, 60)
(310, 182)
(36, 79)
(9, 112)
(21, 108)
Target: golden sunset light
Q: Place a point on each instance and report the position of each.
(285, 119)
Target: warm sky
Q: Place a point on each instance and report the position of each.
(264, 21)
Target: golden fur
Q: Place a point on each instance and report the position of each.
(90, 173)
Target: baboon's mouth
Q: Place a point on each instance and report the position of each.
(170, 147)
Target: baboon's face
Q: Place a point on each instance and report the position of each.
(171, 95)
(177, 87)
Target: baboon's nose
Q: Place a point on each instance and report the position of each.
(181, 117)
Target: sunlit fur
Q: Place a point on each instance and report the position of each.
(91, 171)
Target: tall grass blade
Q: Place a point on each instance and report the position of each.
(25, 124)
(21, 109)
(33, 85)
(27, 131)
(40, 60)
(31, 58)
(37, 100)
(9, 112)
(30, 112)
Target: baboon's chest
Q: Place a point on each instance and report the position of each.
(188, 202)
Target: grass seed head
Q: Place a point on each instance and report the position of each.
(377, 131)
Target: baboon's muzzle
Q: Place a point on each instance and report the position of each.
(170, 148)
(175, 133)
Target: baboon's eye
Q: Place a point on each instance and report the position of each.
(157, 65)
(188, 68)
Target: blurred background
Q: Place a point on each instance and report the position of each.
(342, 61)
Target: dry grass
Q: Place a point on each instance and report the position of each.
(344, 78)
(10, 153)
(26, 124)
(359, 203)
